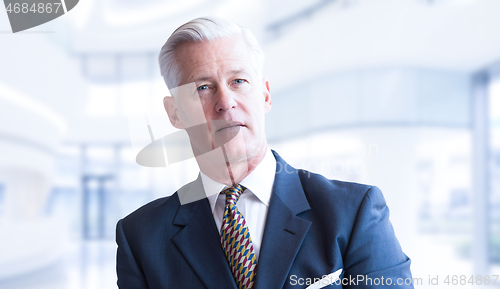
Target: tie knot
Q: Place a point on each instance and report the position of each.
(233, 194)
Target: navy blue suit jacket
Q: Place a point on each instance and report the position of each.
(314, 227)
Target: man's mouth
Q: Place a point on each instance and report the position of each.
(226, 125)
(229, 127)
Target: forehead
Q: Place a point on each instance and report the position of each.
(201, 59)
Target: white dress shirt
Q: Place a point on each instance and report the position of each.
(253, 203)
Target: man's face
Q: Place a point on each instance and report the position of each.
(222, 87)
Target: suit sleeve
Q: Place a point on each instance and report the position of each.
(130, 275)
(374, 251)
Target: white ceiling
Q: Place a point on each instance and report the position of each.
(455, 35)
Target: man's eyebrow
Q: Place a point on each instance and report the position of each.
(238, 71)
(202, 78)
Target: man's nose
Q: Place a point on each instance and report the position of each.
(225, 99)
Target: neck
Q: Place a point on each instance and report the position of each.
(216, 166)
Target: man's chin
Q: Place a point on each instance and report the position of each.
(235, 154)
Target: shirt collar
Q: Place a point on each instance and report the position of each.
(260, 181)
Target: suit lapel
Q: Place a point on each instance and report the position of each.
(284, 231)
(199, 241)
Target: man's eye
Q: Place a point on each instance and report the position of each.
(202, 87)
(239, 81)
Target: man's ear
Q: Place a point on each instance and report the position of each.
(267, 95)
(172, 111)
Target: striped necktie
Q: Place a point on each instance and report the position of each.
(236, 241)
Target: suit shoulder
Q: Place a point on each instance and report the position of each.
(333, 200)
(162, 208)
(318, 185)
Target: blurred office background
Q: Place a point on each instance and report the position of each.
(402, 94)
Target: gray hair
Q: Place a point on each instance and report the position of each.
(203, 29)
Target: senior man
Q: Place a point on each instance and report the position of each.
(250, 220)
